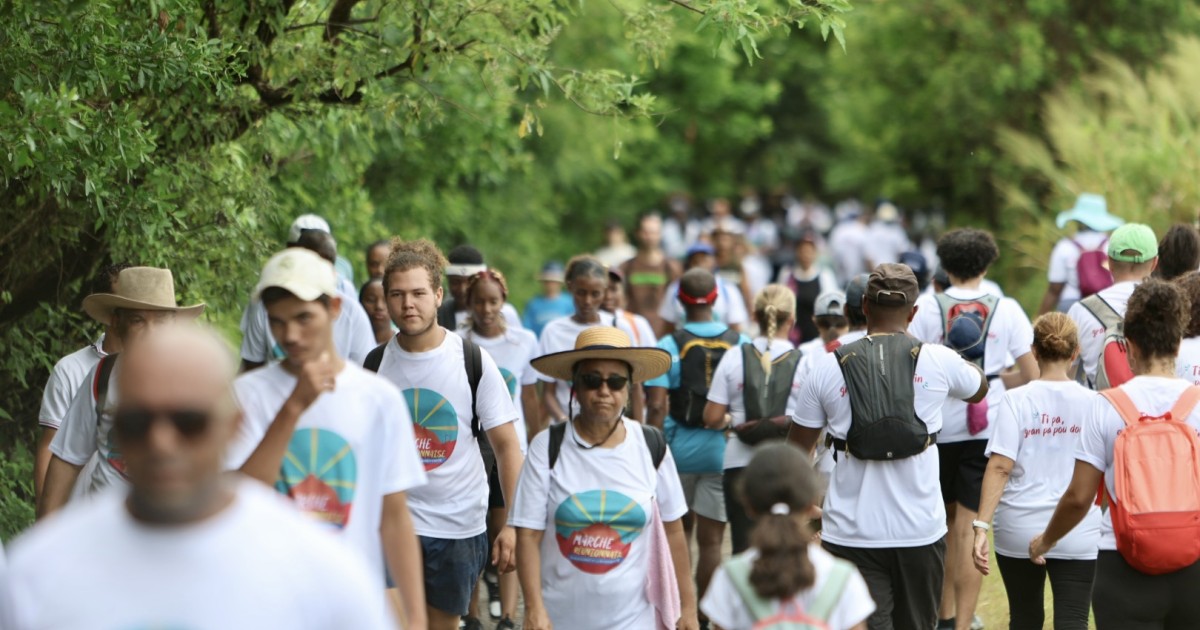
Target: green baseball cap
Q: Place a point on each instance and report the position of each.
(1133, 237)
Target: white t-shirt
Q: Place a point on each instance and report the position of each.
(82, 439)
(255, 564)
(65, 379)
(725, 607)
(1010, 334)
(643, 332)
(559, 336)
(1038, 427)
(729, 309)
(453, 505)
(1153, 396)
(1064, 260)
(1187, 364)
(1091, 331)
(727, 385)
(508, 311)
(887, 241)
(351, 447)
(593, 508)
(352, 333)
(822, 456)
(876, 504)
(849, 246)
(512, 352)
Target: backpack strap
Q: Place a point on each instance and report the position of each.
(104, 371)
(827, 599)
(1102, 311)
(738, 569)
(557, 433)
(1124, 405)
(656, 443)
(374, 358)
(473, 360)
(1186, 403)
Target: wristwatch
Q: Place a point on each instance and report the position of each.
(984, 525)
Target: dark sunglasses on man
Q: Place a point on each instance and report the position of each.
(133, 424)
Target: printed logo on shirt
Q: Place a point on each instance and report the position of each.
(435, 424)
(595, 529)
(510, 381)
(319, 474)
(114, 457)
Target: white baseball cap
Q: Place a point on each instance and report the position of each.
(830, 303)
(307, 222)
(300, 272)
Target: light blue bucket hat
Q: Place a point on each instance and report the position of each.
(1091, 210)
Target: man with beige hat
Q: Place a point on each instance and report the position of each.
(142, 299)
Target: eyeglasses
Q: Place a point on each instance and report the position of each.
(133, 425)
(594, 381)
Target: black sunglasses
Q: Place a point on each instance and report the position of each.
(134, 424)
(594, 381)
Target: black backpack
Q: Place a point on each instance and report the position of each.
(698, 359)
(879, 372)
(766, 398)
(472, 360)
(656, 443)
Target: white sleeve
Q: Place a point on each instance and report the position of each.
(1006, 437)
(672, 505)
(723, 379)
(810, 412)
(75, 442)
(798, 378)
(736, 313)
(405, 469)
(962, 378)
(645, 332)
(1091, 337)
(1095, 447)
(722, 603)
(511, 317)
(250, 430)
(362, 337)
(666, 310)
(492, 402)
(530, 375)
(1059, 267)
(1020, 331)
(256, 338)
(56, 398)
(543, 348)
(532, 504)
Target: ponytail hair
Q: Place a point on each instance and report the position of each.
(778, 488)
(773, 305)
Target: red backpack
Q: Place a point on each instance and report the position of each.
(1156, 468)
(1092, 269)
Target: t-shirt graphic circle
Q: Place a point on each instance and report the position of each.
(595, 529)
(510, 381)
(320, 474)
(435, 424)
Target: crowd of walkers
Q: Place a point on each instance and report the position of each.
(863, 410)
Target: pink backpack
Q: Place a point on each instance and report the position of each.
(1156, 465)
(1092, 269)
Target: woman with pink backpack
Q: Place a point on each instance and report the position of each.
(1078, 263)
(1140, 441)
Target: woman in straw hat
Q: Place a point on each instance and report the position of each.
(604, 489)
(142, 299)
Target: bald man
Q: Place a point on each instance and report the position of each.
(186, 546)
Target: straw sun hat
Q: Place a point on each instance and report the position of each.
(605, 342)
(142, 289)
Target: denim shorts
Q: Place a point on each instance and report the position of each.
(452, 568)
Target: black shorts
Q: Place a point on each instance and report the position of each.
(962, 466)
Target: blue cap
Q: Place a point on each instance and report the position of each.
(855, 290)
(700, 248)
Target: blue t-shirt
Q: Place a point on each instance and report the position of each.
(541, 310)
(696, 450)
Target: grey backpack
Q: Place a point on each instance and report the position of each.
(879, 372)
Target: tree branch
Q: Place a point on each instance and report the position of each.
(210, 16)
(686, 6)
(339, 16)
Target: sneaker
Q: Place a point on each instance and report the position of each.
(506, 624)
(493, 591)
(471, 623)
(976, 623)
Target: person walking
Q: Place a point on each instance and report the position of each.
(186, 545)
(552, 303)
(1075, 258)
(648, 273)
(1140, 440)
(142, 299)
(1031, 457)
(599, 504)
(785, 578)
(330, 436)
(370, 296)
(753, 394)
(883, 510)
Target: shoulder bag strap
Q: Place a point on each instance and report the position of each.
(557, 433)
(473, 360)
(738, 569)
(831, 592)
(1123, 404)
(1186, 403)
(374, 358)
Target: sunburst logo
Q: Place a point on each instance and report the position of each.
(595, 529)
(320, 474)
(435, 424)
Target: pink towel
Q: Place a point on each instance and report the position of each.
(662, 589)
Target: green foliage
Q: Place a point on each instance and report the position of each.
(16, 491)
(1127, 135)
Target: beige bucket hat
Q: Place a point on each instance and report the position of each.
(139, 288)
